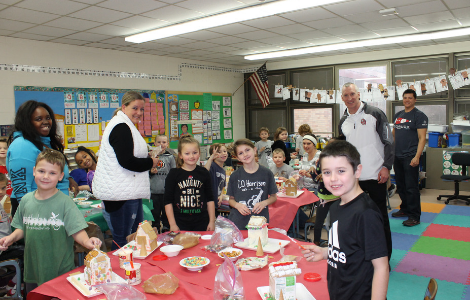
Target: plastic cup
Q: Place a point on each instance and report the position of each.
(125, 257)
(133, 275)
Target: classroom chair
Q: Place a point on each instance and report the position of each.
(431, 291)
(15, 263)
(462, 159)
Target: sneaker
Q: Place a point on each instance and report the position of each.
(398, 214)
(392, 190)
(410, 223)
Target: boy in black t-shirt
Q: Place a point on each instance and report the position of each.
(357, 251)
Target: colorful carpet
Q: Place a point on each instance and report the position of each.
(437, 248)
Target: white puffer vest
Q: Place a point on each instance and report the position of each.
(111, 180)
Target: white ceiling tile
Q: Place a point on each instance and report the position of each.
(385, 47)
(89, 1)
(101, 45)
(418, 44)
(172, 14)
(325, 41)
(100, 14)
(202, 35)
(69, 41)
(199, 53)
(328, 23)
(246, 51)
(133, 7)
(174, 41)
(152, 52)
(14, 25)
(354, 7)
(422, 8)
(49, 31)
(219, 55)
(344, 30)
(374, 16)
(453, 40)
(171, 1)
(60, 7)
(6, 32)
(449, 24)
(2, 6)
(73, 23)
(119, 41)
(88, 36)
(457, 3)
(224, 49)
(250, 45)
(430, 18)
(359, 36)
(295, 45)
(290, 29)
(306, 15)
(313, 34)
(30, 36)
(396, 31)
(150, 45)
(176, 49)
(233, 29)
(211, 6)
(9, 2)
(278, 40)
(255, 35)
(268, 22)
(200, 45)
(113, 30)
(465, 22)
(26, 15)
(139, 22)
(462, 13)
(399, 3)
(385, 24)
(227, 40)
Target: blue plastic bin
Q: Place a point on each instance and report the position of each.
(435, 139)
(454, 139)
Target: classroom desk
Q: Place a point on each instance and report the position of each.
(285, 211)
(195, 285)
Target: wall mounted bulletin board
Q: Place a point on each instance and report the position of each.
(206, 116)
(82, 113)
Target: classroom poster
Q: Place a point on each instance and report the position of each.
(81, 99)
(69, 100)
(92, 100)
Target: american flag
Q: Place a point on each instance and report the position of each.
(259, 80)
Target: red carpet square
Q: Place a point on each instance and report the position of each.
(448, 232)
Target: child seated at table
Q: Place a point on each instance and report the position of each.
(357, 252)
(215, 166)
(251, 187)
(263, 146)
(50, 221)
(280, 169)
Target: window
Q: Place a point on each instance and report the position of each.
(271, 118)
(319, 119)
(437, 114)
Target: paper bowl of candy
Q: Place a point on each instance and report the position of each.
(194, 263)
(84, 204)
(80, 199)
(171, 250)
(232, 253)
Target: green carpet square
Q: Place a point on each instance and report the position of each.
(442, 247)
(396, 225)
(406, 286)
(452, 220)
(397, 256)
(449, 290)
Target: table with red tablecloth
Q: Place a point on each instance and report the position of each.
(195, 285)
(284, 211)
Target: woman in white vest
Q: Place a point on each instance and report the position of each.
(121, 177)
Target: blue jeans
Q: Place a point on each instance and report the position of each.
(126, 220)
(107, 218)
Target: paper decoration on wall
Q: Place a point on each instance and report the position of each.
(184, 116)
(69, 100)
(184, 105)
(228, 123)
(74, 116)
(215, 135)
(198, 138)
(206, 115)
(331, 96)
(114, 98)
(228, 134)
(278, 91)
(104, 102)
(70, 133)
(215, 105)
(365, 95)
(430, 86)
(377, 94)
(196, 114)
(89, 116)
(319, 96)
(415, 86)
(401, 88)
(93, 132)
(207, 101)
(216, 114)
(296, 94)
(215, 125)
(92, 100)
(227, 101)
(82, 114)
(96, 117)
(227, 112)
(81, 100)
(460, 79)
(339, 99)
(285, 93)
(81, 134)
(198, 127)
(440, 83)
(303, 95)
(174, 127)
(68, 116)
(389, 93)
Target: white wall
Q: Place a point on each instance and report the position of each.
(27, 52)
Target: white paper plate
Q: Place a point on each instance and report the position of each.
(206, 237)
(97, 206)
(136, 253)
(195, 268)
(285, 196)
(78, 282)
(301, 292)
(271, 247)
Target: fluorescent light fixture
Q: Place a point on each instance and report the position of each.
(366, 43)
(240, 15)
(388, 12)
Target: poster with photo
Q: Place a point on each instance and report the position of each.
(227, 101)
(228, 134)
(227, 123)
(227, 112)
(215, 105)
(278, 91)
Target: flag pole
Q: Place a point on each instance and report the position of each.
(248, 78)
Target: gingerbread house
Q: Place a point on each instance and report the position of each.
(146, 238)
(97, 268)
(257, 231)
(282, 280)
(291, 187)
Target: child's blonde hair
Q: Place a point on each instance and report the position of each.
(215, 146)
(4, 141)
(162, 135)
(263, 129)
(181, 143)
(304, 129)
(53, 157)
(240, 142)
(279, 130)
(279, 151)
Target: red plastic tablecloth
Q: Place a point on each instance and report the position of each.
(282, 212)
(194, 285)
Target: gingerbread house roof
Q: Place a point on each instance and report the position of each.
(147, 228)
(289, 183)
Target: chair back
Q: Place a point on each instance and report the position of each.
(462, 159)
(431, 291)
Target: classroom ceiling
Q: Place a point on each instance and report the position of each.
(105, 24)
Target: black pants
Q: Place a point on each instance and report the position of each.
(407, 179)
(322, 212)
(158, 211)
(14, 206)
(378, 194)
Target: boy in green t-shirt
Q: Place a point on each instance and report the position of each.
(50, 222)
